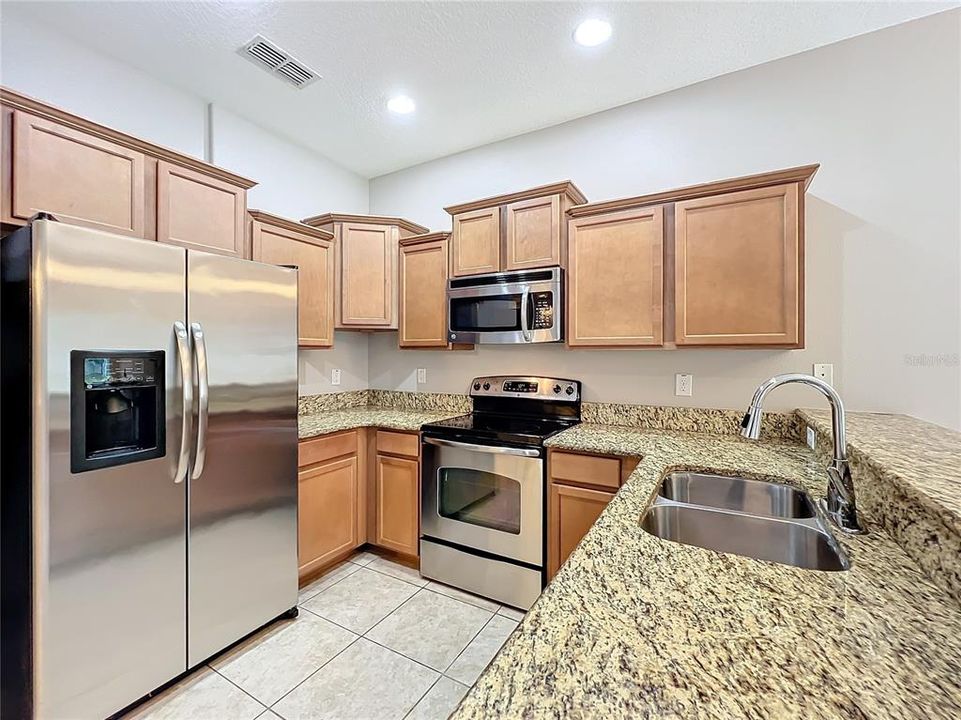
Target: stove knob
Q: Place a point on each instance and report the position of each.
(557, 389)
(477, 386)
(570, 390)
(487, 386)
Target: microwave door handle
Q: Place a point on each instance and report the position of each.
(493, 449)
(525, 305)
(187, 383)
(203, 398)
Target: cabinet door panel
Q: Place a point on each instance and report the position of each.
(572, 513)
(397, 502)
(368, 270)
(314, 259)
(476, 242)
(80, 178)
(738, 268)
(534, 233)
(615, 279)
(200, 212)
(327, 512)
(423, 295)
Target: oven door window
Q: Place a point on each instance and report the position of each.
(479, 314)
(481, 498)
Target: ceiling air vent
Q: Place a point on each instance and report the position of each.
(270, 57)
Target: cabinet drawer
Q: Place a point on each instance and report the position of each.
(395, 443)
(326, 447)
(585, 469)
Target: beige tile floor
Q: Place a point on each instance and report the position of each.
(373, 641)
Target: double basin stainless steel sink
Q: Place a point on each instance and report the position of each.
(754, 518)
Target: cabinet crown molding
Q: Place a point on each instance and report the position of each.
(288, 224)
(18, 101)
(801, 174)
(332, 218)
(425, 238)
(565, 187)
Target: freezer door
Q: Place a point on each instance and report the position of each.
(109, 541)
(242, 538)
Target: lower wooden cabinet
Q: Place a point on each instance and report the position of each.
(396, 483)
(572, 512)
(357, 487)
(332, 498)
(579, 487)
(326, 512)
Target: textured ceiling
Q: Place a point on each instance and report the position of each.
(479, 71)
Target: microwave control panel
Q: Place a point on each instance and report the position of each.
(543, 303)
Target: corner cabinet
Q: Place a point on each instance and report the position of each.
(91, 175)
(515, 231)
(719, 264)
(365, 268)
(279, 241)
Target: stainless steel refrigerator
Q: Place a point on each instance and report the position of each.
(149, 461)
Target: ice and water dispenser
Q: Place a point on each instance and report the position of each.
(116, 408)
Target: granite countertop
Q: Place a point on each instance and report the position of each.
(328, 421)
(634, 626)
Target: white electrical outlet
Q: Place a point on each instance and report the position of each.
(335, 376)
(421, 376)
(683, 385)
(825, 372)
(811, 437)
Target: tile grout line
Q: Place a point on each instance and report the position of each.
(322, 666)
(451, 664)
(265, 707)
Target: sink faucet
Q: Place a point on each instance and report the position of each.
(839, 505)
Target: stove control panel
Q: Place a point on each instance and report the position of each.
(534, 388)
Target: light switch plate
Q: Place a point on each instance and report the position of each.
(811, 437)
(825, 372)
(335, 376)
(683, 385)
(421, 376)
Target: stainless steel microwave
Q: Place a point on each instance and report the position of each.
(524, 306)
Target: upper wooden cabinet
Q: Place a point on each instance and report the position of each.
(733, 265)
(738, 268)
(516, 231)
(200, 212)
(88, 174)
(615, 279)
(477, 249)
(279, 241)
(423, 290)
(79, 177)
(365, 286)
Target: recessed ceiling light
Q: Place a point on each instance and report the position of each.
(401, 105)
(592, 32)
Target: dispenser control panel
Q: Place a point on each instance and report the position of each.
(118, 371)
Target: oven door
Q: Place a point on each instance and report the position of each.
(484, 497)
(506, 308)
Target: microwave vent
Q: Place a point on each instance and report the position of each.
(278, 62)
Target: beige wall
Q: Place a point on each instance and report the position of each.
(880, 113)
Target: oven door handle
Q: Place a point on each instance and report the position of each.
(525, 325)
(493, 449)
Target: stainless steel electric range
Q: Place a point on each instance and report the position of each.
(483, 498)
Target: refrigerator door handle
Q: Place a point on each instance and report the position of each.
(203, 398)
(187, 383)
